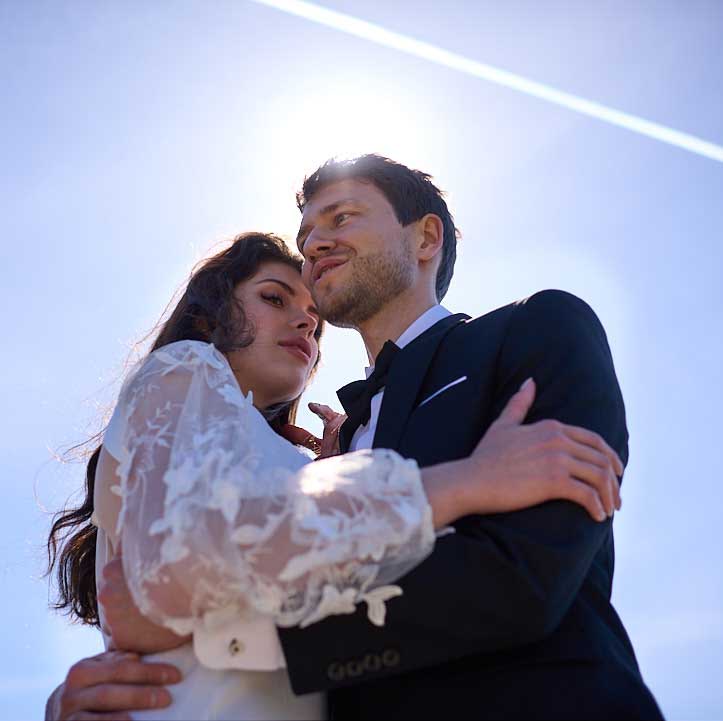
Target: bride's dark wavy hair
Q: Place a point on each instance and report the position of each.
(207, 311)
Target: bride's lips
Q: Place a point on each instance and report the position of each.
(299, 347)
(324, 265)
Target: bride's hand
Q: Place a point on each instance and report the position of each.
(332, 423)
(326, 446)
(530, 464)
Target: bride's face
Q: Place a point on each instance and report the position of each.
(284, 322)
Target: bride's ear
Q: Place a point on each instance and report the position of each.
(430, 237)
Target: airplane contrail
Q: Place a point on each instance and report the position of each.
(375, 33)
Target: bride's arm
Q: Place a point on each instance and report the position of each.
(209, 522)
(206, 525)
(199, 534)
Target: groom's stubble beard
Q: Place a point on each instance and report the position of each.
(375, 281)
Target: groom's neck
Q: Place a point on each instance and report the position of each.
(394, 318)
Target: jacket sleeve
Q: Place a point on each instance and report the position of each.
(502, 580)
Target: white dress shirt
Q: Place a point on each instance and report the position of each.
(364, 435)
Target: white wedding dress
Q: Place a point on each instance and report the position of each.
(223, 521)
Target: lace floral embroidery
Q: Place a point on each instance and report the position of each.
(218, 512)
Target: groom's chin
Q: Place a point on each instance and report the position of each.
(326, 302)
(339, 320)
(337, 311)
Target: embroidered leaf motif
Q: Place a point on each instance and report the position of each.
(376, 610)
(332, 603)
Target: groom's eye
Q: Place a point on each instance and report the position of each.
(341, 217)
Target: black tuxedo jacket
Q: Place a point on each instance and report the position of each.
(510, 616)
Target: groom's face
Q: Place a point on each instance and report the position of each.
(357, 255)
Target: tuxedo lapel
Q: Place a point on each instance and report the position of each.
(405, 379)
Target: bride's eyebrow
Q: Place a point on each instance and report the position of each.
(285, 286)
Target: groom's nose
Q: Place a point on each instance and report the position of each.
(317, 244)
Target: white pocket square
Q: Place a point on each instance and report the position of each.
(442, 390)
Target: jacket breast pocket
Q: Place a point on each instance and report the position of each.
(443, 389)
(446, 424)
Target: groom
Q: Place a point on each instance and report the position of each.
(510, 617)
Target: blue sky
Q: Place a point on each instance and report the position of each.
(137, 134)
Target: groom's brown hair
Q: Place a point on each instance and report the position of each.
(411, 193)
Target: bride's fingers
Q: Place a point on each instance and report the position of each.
(336, 423)
(330, 442)
(301, 437)
(602, 480)
(584, 495)
(326, 413)
(583, 452)
(592, 439)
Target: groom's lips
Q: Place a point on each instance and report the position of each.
(323, 265)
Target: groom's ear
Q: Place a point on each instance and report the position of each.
(430, 236)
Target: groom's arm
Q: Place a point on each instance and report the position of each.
(110, 685)
(505, 580)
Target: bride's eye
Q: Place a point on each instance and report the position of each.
(274, 299)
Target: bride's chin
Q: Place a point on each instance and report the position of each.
(285, 392)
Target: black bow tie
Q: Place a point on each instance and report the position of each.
(356, 397)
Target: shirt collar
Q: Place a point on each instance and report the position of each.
(419, 326)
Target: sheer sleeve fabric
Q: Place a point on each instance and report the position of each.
(219, 513)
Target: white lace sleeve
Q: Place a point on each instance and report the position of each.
(219, 512)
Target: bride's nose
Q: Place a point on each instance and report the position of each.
(305, 321)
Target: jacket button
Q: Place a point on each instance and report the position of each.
(390, 658)
(372, 662)
(336, 672)
(354, 668)
(236, 647)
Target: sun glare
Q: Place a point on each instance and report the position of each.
(341, 122)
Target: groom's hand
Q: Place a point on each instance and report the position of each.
(109, 685)
(129, 629)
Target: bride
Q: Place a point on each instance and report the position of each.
(220, 520)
